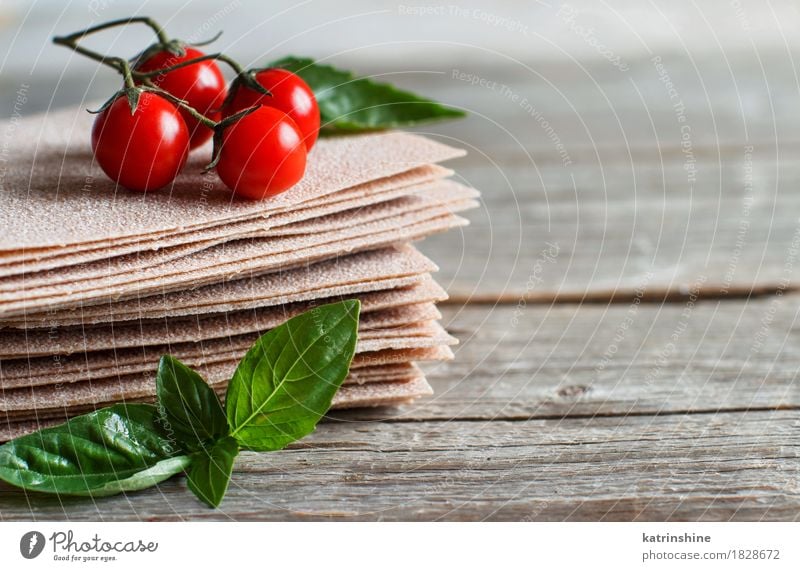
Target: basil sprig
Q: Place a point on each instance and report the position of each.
(190, 408)
(299, 368)
(116, 449)
(210, 470)
(354, 104)
(279, 392)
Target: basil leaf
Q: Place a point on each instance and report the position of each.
(141, 480)
(287, 380)
(211, 469)
(193, 415)
(114, 449)
(348, 103)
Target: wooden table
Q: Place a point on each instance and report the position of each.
(625, 302)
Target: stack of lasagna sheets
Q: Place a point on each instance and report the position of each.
(97, 282)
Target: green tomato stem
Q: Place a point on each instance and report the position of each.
(152, 24)
(126, 74)
(210, 123)
(71, 41)
(124, 67)
(111, 61)
(131, 76)
(237, 68)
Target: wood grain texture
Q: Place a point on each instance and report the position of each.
(655, 407)
(597, 162)
(633, 191)
(523, 426)
(544, 361)
(592, 231)
(673, 467)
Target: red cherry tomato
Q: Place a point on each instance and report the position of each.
(201, 85)
(143, 151)
(290, 94)
(262, 154)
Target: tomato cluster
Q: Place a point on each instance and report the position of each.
(262, 152)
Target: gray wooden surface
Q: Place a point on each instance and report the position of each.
(630, 346)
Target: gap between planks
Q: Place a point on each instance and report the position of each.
(619, 296)
(582, 416)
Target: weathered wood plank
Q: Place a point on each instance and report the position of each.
(639, 191)
(591, 229)
(590, 107)
(599, 113)
(584, 446)
(557, 412)
(726, 466)
(626, 208)
(626, 199)
(540, 361)
(639, 358)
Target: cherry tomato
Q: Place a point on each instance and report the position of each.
(262, 154)
(290, 94)
(143, 151)
(201, 85)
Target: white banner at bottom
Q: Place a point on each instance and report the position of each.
(401, 546)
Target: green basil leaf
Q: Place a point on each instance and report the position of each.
(141, 480)
(192, 413)
(114, 449)
(211, 469)
(351, 104)
(287, 380)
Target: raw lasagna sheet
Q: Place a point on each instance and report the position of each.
(255, 257)
(216, 345)
(445, 197)
(105, 365)
(126, 387)
(414, 181)
(21, 402)
(96, 282)
(53, 182)
(350, 396)
(67, 341)
(390, 269)
(99, 354)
